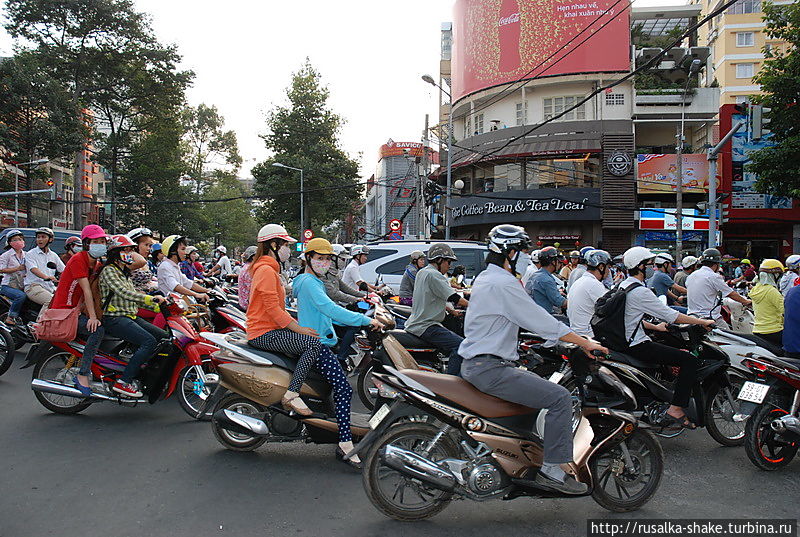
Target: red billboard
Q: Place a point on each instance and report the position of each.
(501, 41)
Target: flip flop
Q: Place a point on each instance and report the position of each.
(683, 422)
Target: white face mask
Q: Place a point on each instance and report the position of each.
(284, 253)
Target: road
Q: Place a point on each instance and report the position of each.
(151, 471)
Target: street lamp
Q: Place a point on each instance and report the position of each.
(693, 69)
(429, 79)
(16, 184)
(302, 212)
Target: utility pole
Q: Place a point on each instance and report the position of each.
(712, 183)
(422, 178)
(693, 69)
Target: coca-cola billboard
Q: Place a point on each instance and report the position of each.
(501, 41)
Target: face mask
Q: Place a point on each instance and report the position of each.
(77, 248)
(284, 253)
(18, 245)
(97, 250)
(126, 257)
(320, 266)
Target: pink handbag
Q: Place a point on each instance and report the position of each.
(58, 325)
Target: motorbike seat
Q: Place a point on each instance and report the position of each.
(280, 360)
(631, 361)
(466, 395)
(110, 344)
(410, 341)
(400, 309)
(777, 350)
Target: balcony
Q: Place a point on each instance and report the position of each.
(665, 104)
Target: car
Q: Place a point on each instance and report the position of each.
(387, 260)
(30, 238)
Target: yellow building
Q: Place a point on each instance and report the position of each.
(737, 42)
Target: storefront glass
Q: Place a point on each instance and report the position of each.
(582, 172)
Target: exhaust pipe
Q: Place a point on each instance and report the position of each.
(46, 386)
(785, 424)
(241, 423)
(410, 464)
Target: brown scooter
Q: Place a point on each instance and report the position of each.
(480, 447)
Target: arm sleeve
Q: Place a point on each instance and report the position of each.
(59, 264)
(332, 289)
(5, 261)
(327, 307)
(777, 299)
(521, 310)
(166, 279)
(344, 288)
(551, 290)
(650, 303)
(356, 274)
(114, 281)
(721, 286)
(440, 287)
(32, 261)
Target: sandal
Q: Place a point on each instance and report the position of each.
(340, 457)
(293, 403)
(683, 422)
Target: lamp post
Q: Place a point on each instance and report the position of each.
(16, 184)
(693, 69)
(431, 81)
(302, 212)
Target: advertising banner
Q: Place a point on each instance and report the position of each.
(501, 41)
(658, 174)
(665, 219)
(413, 149)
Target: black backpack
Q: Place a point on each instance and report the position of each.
(608, 322)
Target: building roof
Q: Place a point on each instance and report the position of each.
(656, 21)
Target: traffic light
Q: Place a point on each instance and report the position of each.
(50, 182)
(760, 121)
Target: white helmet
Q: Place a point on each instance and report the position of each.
(222, 249)
(793, 262)
(340, 251)
(359, 249)
(535, 256)
(636, 256)
(274, 231)
(689, 261)
(664, 258)
(139, 232)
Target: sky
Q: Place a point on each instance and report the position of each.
(370, 53)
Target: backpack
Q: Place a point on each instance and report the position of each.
(608, 322)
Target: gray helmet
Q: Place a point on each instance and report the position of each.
(416, 254)
(711, 256)
(595, 258)
(46, 231)
(441, 250)
(249, 253)
(506, 237)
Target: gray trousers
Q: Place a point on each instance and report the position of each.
(501, 379)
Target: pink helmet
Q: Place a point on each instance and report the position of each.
(93, 231)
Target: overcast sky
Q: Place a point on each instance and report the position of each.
(371, 54)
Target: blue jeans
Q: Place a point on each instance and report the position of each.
(93, 340)
(448, 342)
(17, 299)
(679, 309)
(136, 331)
(346, 343)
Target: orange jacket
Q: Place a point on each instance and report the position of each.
(267, 308)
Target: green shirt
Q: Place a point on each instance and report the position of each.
(125, 299)
(431, 291)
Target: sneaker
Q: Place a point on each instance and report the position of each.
(126, 389)
(86, 391)
(569, 486)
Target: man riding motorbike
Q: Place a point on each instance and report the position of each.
(432, 292)
(704, 286)
(768, 302)
(416, 263)
(542, 286)
(688, 265)
(580, 270)
(170, 277)
(792, 275)
(12, 266)
(352, 273)
(585, 291)
(499, 308)
(121, 301)
(662, 284)
(40, 279)
(223, 265)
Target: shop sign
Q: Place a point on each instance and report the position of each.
(527, 206)
(666, 219)
(619, 163)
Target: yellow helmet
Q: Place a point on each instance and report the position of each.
(771, 265)
(745, 261)
(320, 246)
(170, 243)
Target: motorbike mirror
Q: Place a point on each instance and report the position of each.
(52, 265)
(363, 305)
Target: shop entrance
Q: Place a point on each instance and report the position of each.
(754, 249)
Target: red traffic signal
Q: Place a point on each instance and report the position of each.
(50, 182)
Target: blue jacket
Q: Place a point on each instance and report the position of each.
(791, 321)
(315, 310)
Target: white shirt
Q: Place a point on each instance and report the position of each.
(703, 287)
(581, 299)
(8, 260)
(523, 262)
(528, 273)
(224, 264)
(640, 302)
(576, 273)
(170, 277)
(36, 258)
(787, 282)
(352, 274)
(498, 308)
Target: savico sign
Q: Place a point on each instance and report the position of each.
(527, 206)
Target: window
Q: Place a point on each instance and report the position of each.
(744, 70)
(745, 6)
(377, 253)
(615, 99)
(471, 258)
(522, 113)
(554, 106)
(745, 39)
(479, 124)
(468, 127)
(395, 267)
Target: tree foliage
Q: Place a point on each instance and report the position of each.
(778, 167)
(304, 134)
(232, 221)
(208, 144)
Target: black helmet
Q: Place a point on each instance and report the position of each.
(548, 255)
(506, 237)
(711, 256)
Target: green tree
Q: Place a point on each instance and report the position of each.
(232, 221)
(304, 135)
(208, 145)
(778, 167)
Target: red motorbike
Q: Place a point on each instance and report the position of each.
(181, 363)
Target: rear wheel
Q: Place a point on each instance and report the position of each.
(235, 440)
(721, 405)
(766, 448)
(620, 486)
(7, 350)
(53, 369)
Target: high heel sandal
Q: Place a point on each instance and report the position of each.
(290, 404)
(340, 457)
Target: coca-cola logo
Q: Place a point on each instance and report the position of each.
(511, 19)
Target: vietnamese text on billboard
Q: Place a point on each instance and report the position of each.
(658, 174)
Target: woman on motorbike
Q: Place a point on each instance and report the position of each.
(246, 277)
(143, 276)
(189, 265)
(409, 276)
(121, 301)
(271, 328)
(170, 277)
(768, 302)
(12, 267)
(71, 247)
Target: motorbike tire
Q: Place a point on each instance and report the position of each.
(7, 350)
(184, 382)
(716, 399)
(635, 501)
(758, 429)
(371, 477)
(363, 384)
(229, 439)
(69, 405)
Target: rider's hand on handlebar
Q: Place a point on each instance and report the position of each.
(661, 327)
(709, 324)
(375, 324)
(595, 350)
(202, 297)
(158, 299)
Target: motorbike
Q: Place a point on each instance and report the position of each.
(771, 406)
(7, 348)
(180, 364)
(21, 333)
(478, 447)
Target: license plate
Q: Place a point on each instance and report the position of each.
(753, 392)
(556, 377)
(376, 420)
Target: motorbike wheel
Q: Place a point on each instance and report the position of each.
(619, 488)
(233, 440)
(192, 392)
(395, 495)
(719, 415)
(52, 369)
(7, 350)
(363, 386)
(764, 447)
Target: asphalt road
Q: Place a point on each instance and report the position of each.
(152, 471)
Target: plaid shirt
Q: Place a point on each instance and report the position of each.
(125, 299)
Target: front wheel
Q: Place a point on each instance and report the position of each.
(235, 440)
(366, 389)
(192, 391)
(721, 405)
(53, 369)
(766, 448)
(627, 475)
(7, 350)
